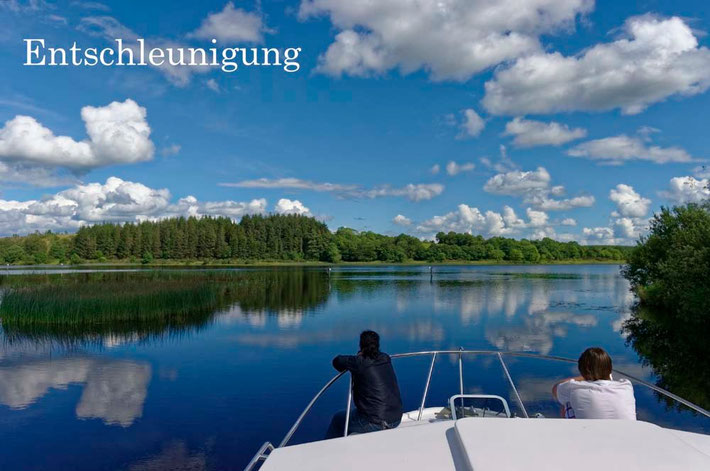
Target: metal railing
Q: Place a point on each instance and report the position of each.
(267, 447)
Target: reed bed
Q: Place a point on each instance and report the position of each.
(145, 304)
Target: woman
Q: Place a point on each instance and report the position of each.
(378, 405)
(595, 394)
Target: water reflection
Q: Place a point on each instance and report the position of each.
(176, 457)
(677, 351)
(113, 391)
(537, 333)
(208, 379)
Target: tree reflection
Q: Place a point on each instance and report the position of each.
(678, 352)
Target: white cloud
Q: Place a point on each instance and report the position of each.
(232, 25)
(286, 206)
(29, 6)
(599, 235)
(118, 134)
(212, 85)
(688, 189)
(627, 223)
(471, 125)
(537, 218)
(172, 149)
(116, 200)
(701, 171)
(453, 168)
(413, 192)
(628, 202)
(518, 182)
(655, 59)
(401, 220)
(621, 231)
(489, 223)
(435, 169)
(569, 222)
(449, 39)
(534, 188)
(617, 150)
(530, 133)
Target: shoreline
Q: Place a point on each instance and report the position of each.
(281, 263)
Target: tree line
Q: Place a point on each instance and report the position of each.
(277, 238)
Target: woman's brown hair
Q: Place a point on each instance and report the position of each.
(595, 364)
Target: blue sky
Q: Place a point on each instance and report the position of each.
(604, 103)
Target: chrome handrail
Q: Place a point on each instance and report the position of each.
(426, 386)
(512, 385)
(295, 426)
(347, 409)
(460, 352)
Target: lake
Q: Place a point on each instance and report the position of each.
(204, 389)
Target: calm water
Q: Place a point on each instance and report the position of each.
(206, 396)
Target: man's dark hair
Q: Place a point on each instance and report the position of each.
(595, 364)
(369, 344)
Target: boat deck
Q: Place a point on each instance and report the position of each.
(484, 444)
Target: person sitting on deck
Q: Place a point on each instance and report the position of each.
(595, 395)
(378, 405)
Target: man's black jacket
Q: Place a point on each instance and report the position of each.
(375, 389)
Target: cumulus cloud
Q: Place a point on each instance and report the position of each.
(656, 58)
(628, 202)
(449, 39)
(413, 192)
(401, 220)
(531, 133)
(534, 188)
(568, 222)
(627, 223)
(688, 189)
(453, 168)
(471, 124)
(232, 25)
(286, 206)
(116, 200)
(117, 134)
(435, 169)
(518, 182)
(489, 223)
(617, 150)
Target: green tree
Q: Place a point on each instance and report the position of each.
(14, 254)
(669, 267)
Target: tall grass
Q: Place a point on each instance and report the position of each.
(90, 305)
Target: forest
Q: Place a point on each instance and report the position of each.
(278, 238)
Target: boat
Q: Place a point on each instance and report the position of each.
(478, 432)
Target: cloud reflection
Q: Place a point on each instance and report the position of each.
(537, 333)
(114, 390)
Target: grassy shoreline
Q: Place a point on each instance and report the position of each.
(284, 263)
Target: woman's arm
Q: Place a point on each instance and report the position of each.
(554, 388)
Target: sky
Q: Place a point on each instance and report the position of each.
(569, 119)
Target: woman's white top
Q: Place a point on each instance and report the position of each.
(602, 399)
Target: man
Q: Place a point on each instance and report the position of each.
(595, 395)
(378, 405)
